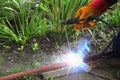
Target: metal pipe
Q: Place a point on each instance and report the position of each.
(33, 71)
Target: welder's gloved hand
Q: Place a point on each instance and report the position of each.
(93, 9)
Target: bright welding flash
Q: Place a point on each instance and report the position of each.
(75, 60)
(72, 59)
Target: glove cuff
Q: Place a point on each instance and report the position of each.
(100, 5)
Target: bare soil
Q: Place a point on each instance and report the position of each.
(12, 59)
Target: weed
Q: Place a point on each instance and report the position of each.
(26, 23)
(35, 46)
(36, 64)
(113, 17)
(6, 47)
(28, 77)
(3, 12)
(57, 46)
(21, 48)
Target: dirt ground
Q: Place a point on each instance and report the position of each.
(12, 60)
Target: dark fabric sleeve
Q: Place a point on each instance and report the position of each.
(116, 45)
(111, 2)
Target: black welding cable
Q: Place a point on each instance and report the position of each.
(98, 19)
(76, 20)
(114, 32)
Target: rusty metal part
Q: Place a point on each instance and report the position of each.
(108, 58)
(33, 71)
(94, 57)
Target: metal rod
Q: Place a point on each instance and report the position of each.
(68, 41)
(33, 71)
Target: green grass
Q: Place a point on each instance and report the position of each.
(26, 23)
(22, 21)
(59, 10)
(3, 12)
(113, 17)
(25, 20)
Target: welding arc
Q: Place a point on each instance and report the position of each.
(33, 71)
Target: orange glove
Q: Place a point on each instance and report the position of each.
(94, 9)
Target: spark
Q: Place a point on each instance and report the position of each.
(75, 59)
(72, 59)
